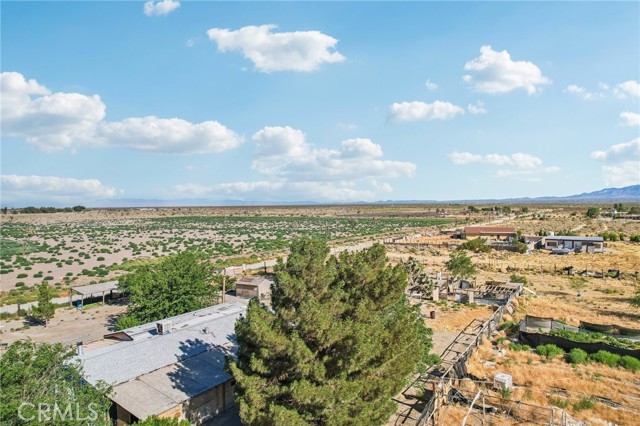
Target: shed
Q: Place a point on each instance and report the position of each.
(249, 287)
(490, 232)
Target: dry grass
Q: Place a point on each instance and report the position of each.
(539, 381)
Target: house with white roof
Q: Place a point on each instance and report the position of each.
(588, 244)
(170, 368)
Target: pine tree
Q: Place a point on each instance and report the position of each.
(338, 344)
(45, 309)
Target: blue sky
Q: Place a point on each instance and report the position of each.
(283, 101)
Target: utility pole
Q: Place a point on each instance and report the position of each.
(224, 285)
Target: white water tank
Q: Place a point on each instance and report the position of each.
(502, 381)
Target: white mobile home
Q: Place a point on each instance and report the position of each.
(588, 244)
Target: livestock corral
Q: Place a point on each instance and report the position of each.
(477, 321)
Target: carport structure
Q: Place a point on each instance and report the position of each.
(86, 291)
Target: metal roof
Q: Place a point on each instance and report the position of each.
(167, 387)
(253, 281)
(90, 289)
(476, 230)
(193, 334)
(572, 238)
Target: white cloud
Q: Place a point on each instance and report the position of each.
(58, 121)
(285, 51)
(17, 188)
(163, 7)
(477, 108)
(48, 120)
(584, 93)
(621, 163)
(172, 135)
(619, 152)
(495, 72)
(430, 85)
(283, 152)
(628, 88)
(421, 111)
(278, 191)
(522, 166)
(293, 169)
(630, 118)
(621, 174)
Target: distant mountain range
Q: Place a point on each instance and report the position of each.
(626, 194)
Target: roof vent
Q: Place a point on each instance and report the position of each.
(163, 327)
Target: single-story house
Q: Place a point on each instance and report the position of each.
(497, 233)
(588, 244)
(248, 287)
(170, 368)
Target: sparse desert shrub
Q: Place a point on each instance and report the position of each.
(560, 403)
(606, 358)
(578, 356)
(549, 351)
(584, 403)
(630, 363)
(516, 347)
(22, 276)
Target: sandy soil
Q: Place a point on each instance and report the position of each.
(69, 326)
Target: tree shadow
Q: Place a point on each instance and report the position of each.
(202, 369)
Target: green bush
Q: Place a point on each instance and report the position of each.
(509, 326)
(630, 363)
(516, 347)
(584, 403)
(22, 276)
(578, 356)
(606, 358)
(549, 351)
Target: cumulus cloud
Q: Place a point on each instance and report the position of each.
(630, 118)
(520, 165)
(284, 152)
(58, 121)
(48, 120)
(163, 7)
(619, 152)
(621, 163)
(52, 189)
(172, 135)
(495, 72)
(284, 51)
(630, 88)
(421, 111)
(477, 108)
(294, 169)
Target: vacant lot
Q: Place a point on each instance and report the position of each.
(38, 248)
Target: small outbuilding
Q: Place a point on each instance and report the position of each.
(493, 233)
(588, 244)
(249, 287)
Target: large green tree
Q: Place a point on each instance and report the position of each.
(172, 286)
(45, 310)
(460, 265)
(42, 386)
(339, 342)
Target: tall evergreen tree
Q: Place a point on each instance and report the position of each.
(173, 286)
(339, 342)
